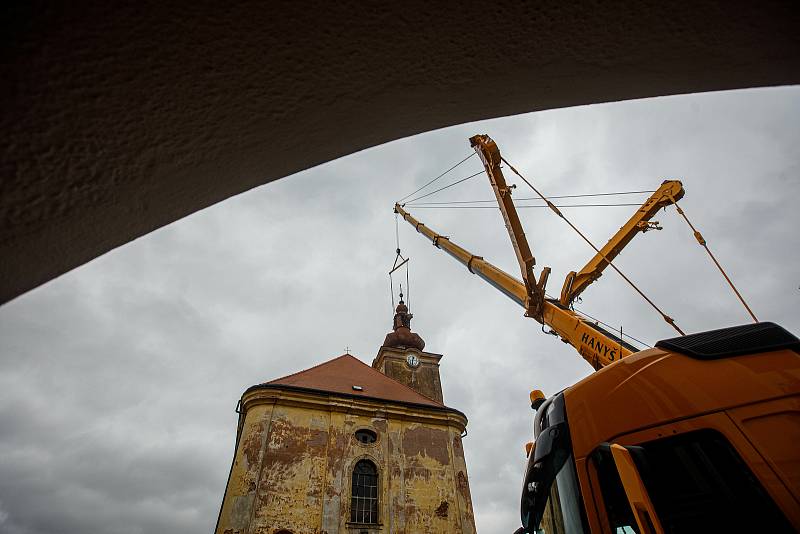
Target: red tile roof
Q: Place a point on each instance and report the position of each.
(339, 375)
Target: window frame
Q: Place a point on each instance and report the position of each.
(367, 430)
(352, 511)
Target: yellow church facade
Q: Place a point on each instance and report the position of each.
(345, 448)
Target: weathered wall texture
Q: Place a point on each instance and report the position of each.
(293, 464)
(120, 117)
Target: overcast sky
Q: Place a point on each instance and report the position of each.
(118, 380)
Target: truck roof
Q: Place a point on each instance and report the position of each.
(682, 378)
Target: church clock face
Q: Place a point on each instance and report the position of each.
(412, 360)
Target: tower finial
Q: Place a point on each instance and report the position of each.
(402, 336)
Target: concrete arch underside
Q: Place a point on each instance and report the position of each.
(121, 117)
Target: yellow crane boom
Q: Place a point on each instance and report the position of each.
(595, 344)
(490, 155)
(668, 193)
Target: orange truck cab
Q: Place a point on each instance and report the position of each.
(699, 434)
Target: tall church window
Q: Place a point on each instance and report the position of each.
(364, 501)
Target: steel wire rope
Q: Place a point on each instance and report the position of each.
(396, 233)
(701, 240)
(445, 172)
(391, 292)
(418, 206)
(446, 187)
(669, 320)
(408, 288)
(405, 263)
(397, 243)
(552, 197)
(612, 327)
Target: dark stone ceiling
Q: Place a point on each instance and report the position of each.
(121, 117)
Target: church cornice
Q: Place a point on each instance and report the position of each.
(359, 404)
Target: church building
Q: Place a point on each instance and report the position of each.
(345, 448)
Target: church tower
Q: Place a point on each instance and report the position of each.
(345, 448)
(401, 357)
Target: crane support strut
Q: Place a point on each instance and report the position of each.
(490, 156)
(668, 193)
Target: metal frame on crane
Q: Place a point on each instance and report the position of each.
(668, 193)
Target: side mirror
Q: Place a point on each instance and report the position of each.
(550, 452)
(638, 498)
(545, 442)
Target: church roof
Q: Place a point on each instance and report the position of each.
(341, 374)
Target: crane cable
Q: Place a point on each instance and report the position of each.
(610, 326)
(699, 237)
(445, 187)
(445, 172)
(444, 205)
(396, 266)
(666, 317)
(492, 201)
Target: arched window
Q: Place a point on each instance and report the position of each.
(364, 501)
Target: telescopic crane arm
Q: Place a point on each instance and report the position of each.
(596, 345)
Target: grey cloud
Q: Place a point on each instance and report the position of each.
(118, 380)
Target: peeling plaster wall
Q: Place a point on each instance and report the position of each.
(293, 464)
(119, 118)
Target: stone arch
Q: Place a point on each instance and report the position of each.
(66, 191)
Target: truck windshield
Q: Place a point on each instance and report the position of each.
(562, 512)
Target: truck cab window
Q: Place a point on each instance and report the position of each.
(551, 498)
(562, 515)
(698, 483)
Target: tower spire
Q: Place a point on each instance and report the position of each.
(402, 336)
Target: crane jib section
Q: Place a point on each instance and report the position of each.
(596, 345)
